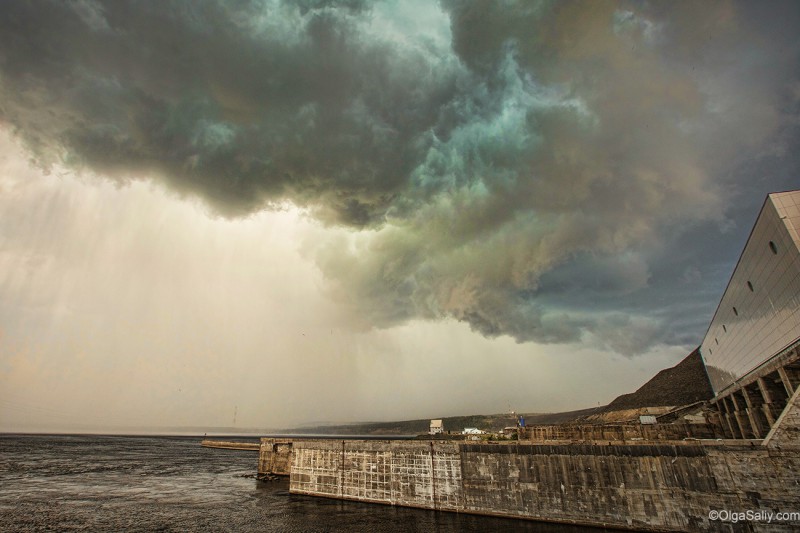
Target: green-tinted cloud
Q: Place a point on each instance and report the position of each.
(468, 150)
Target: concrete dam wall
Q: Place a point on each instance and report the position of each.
(657, 487)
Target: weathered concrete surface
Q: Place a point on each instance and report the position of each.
(275, 456)
(415, 474)
(643, 487)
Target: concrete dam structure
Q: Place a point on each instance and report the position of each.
(656, 486)
(728, 463)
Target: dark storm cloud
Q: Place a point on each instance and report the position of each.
(530, 172)
(240, 104)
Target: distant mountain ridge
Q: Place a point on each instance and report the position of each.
(451, 423)
(683, 384)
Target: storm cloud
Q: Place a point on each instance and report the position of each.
(549, 171)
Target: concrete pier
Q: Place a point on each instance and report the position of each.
(231, 445)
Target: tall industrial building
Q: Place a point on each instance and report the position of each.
(751, 346)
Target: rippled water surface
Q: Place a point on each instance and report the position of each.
(112, 483)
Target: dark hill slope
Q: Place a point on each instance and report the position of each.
(682, 384)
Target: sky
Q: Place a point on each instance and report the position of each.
(266, 214)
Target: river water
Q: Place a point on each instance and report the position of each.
(116, 483)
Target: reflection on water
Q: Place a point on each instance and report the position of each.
(111, 483)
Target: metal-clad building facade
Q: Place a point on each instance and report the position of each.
(759, 314)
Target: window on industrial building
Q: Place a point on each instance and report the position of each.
(750, 286)
(773, 247)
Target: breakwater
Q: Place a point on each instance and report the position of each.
(231, 445)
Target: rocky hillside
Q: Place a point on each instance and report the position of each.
(682, 384)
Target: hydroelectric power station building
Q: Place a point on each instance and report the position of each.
(751, 347)
(728, 463)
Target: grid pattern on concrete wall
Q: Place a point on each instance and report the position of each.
(759, 314)
(316, 470)
(427, 475)
(411, 472)
(447, 479)
(367, 475)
